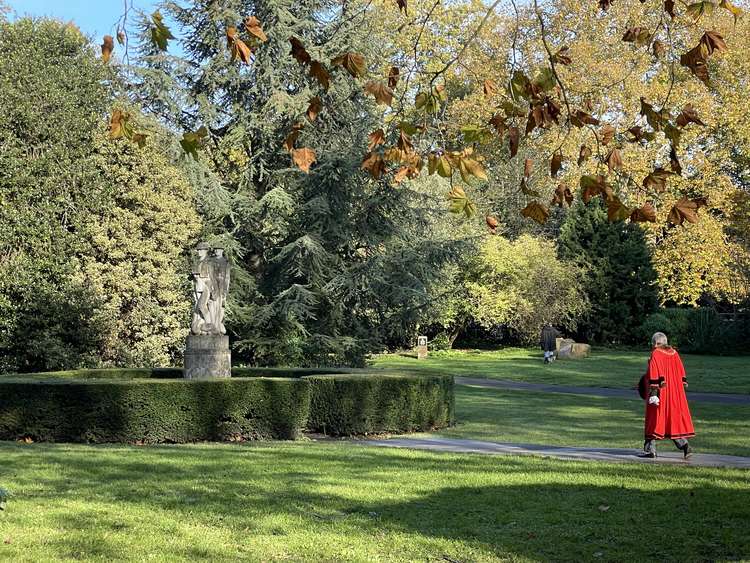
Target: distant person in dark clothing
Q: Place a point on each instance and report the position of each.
(548, 342)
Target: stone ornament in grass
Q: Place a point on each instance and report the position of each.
(210, 274)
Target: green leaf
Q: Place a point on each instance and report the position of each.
(734, 10)
(699, 9)
(545, 79)
(519, 83)
(476, 134)
(191, 141)
(160, 34)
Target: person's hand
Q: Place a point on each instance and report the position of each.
(685, 384)
(653, 400)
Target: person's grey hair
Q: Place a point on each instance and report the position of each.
(659, 339)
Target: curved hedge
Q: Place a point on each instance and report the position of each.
(146, 406)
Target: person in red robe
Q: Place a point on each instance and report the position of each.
(667, 412)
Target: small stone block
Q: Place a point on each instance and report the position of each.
(207, 356)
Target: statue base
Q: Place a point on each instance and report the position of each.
(207, 356)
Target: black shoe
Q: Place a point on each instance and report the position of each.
(650, 454)
(687, 451)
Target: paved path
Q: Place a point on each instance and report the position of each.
(598, 391)
(666, 454)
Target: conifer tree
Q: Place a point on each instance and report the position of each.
(329, 262)
(620, 281)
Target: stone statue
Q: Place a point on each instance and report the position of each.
(219, 288)
(207, 348)
(210, 288)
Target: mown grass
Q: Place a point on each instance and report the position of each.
(605, 368)
(332, 501)
(580, 420)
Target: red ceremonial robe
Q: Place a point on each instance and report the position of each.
(671, 417)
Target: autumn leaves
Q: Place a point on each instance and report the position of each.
(532, 100)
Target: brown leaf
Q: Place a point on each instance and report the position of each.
(581, 118)
(669, 8)
(644, 214)
(402, 6)
(304, 158)
(299, 52)
(659, 48)
(638, 35)
(492, 223)
(606, 134)
(584, 154)
(489, 87)
(108, 45)
(657, 180)
(674, 162)
(117, 124)
(528, 166)
(685, 210)
(382, 93)
(713, 42)
(242, 51)
(555, 164)
(536, 211)
(376, 138)
(695, 60)
(319, 72)
(605, 4)
(374, 164)
(688, 115)
(562, 195)
(291, 138)
(614, 160)
(562, 57)
(314, 108)
(252, 25)
(592, 186)
(498, 122)
(121, 37)
(400, 174)
(513, 134)
(354, 63)
(404, 141)
(393, 76)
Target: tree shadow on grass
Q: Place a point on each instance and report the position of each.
(539, 509)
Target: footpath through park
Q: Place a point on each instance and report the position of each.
(622, 455)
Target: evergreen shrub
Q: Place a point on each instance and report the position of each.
(152, 411)
(365, 404)
(699, 330)
(142, 406)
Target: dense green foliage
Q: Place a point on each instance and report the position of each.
(367, 404)
(700, 331)
(91, 231)
(328, 264)
(619, 279)
(142, 405)
(508, 283)
(152, 411)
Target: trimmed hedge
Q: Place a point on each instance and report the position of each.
(141, 405)
(152, 411)
(371, 404)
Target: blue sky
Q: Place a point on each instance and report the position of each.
(93, 17)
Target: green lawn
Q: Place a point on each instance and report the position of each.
(579, 420)
(605, 368)
(332, 501)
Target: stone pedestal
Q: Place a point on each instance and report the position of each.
(207, 356)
